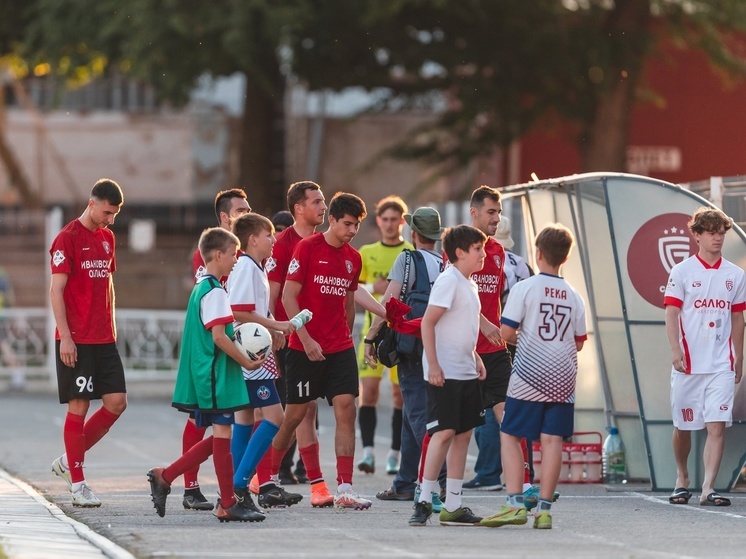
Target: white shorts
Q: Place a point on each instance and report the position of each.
(702, 398)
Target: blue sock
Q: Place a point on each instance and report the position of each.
(258, 445)
(239, 441)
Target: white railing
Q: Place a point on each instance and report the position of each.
(149, 342)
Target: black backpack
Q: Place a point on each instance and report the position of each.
(417, 298)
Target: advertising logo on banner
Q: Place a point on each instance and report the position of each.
(657, 246)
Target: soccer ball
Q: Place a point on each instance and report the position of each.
(253, 339)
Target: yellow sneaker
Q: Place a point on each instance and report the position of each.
(543, 520)
(506, 515)
(320, 496)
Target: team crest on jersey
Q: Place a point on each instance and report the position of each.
(348, 264)
(270, 264)
(729, 284)
(263, 392)
(294, 266)
(201, 271)
(58, 257)
(107, 246)
(498, 262)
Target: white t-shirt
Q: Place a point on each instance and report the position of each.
(551, 316)
(248, 290)
(707, 296)
(457, 330)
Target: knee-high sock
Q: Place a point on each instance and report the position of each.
(98, 425)
(73, 435)
(258, 444)
(310, 455)
(277, 457)
(423, 455)
(221, 458)
(367, 419)
(396, 422)
(344, 469)
(239, 441)
(190, 437)
(189, 460)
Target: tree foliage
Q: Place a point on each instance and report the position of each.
(488, 71)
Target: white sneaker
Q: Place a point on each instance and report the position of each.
(84, 497)
(348, 499)
(60, 471)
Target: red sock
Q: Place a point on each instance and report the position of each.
(223, 461)
(191, 436)
(526, 471)
(277, 456)
(310, 456)
(344, 469)
(74, 437)
(189, 460)
(423, 455)
(98, 425)
(264, 467)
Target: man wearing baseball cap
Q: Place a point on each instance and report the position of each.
(426, 230)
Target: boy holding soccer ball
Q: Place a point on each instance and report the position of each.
(453, 370)
(248, 293)
(209, 382)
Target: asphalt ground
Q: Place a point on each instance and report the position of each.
(590, 520)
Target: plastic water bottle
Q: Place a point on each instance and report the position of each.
(614, 459)
(301, 318)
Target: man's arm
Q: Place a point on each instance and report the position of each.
(672, 331)
(68, 350)
(427, 327)
(737, 329)
(368, 302)
(509, 334)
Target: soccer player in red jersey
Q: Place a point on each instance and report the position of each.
(321, 362)
(229, 204)
(88, 363)
(305, 201)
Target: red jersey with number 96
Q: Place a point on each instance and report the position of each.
(327, 274)
(87, 257)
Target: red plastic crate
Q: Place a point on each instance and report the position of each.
(581, 461)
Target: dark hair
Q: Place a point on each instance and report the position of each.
(555, 242)
(463, 237)
(224, 200)
(344, 203)
(297, 193)
(392, 202)
(107, 190)
(482, 193)
(709, 219)
(214, 239)
(247, 225)
(282, 220)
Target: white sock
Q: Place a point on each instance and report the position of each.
(77, 485)
(63, 461)
(427, 489)
(368, 451)
(526, 487)
(342, 487)
(393, 453)
(453, 493)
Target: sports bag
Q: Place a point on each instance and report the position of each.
(417, 299)
(385, 344)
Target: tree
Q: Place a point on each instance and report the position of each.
(492, 70)
(170, 44)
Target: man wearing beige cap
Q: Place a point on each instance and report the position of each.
(426, 231)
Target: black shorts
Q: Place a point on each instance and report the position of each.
(308, 380)
(98, 371)
(456, 405)
(495, 384)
